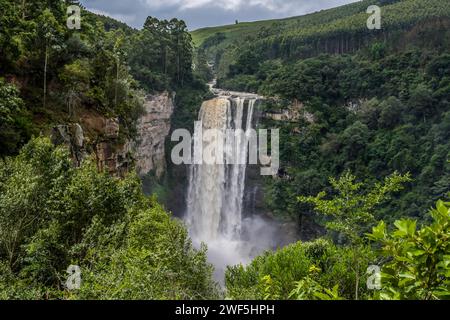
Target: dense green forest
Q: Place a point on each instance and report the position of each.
(335, 31)
(371, 102)
(53, 74)
(367, 162)
(374, 101)
(53, 214)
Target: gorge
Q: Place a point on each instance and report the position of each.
(87, 125)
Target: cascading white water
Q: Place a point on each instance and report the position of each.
(216, 192)
(235, 185)
(206, 182)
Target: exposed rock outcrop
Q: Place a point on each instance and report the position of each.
(96, 134)
(71, 135)
(355, 105)
(294, 112)
(152, 130)
(114, 157)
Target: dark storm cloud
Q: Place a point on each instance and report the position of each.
(203, 13)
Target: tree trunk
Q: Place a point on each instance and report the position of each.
(356, 274)
(117, 82)
(357, 284)
(23, 9)
(164, 59)
(45, 75)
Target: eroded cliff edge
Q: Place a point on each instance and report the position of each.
(153, 128)
(94, 134)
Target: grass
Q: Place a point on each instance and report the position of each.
(242, 29)
(232, 31)
(348, 17)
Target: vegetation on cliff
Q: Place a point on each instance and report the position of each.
(61, 73)
(371, 101)
(53, 215)
(406, 262)
(372, 104)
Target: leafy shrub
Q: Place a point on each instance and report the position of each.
(419, 259)
(275, 275)
(53, 215)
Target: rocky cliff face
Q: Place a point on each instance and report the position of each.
(153, 128)
(98, 135)
(294, 112)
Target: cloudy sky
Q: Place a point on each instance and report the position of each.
(204, 13)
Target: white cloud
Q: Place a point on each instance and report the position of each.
(130, 18)
(201, 13)
(230, 5)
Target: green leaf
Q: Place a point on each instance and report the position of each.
(442, 209)
(418, 252)
(405, 227)
(378, 232)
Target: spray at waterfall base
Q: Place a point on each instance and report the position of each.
(224, 143)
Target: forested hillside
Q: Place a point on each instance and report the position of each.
(364, 117)
(356, 105)
(373, 101)
(53, 74)
(53, 213)
(338, 30)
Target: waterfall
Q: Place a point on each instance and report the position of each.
(216, 192)
(235, 187)
(215, 195)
